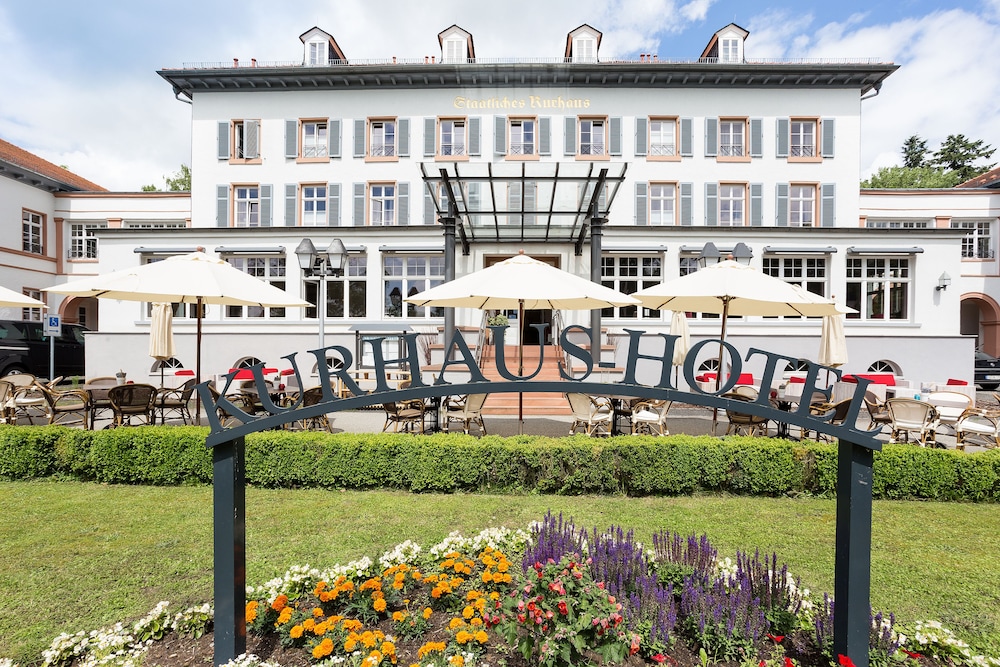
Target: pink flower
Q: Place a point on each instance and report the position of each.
(563, 609)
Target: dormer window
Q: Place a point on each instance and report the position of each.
(454, 50)
(582, 45)
(730, 50)
(456, 45)
(320, 49)
(726, 45)
(316, 53)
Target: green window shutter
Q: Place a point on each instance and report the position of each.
(711, 137)
(333, 204)
(333, 137)
(500, 135)
(402, 203)
(265, 206)
(429, 210)
(756, 137)
(359, 137)
(687, 137)
(615, 140)
(545, 136)
(569, 125)
(711, 204)
(430, 136)
(222, 205)
(403, 137)
(756, 204)
(829, 134)
(223, 140)
(252, 143)
(475, 135)
(641, 135)
(359, 205)
(291, 204)
(687, 204)
(781, 205)
(291, 138)
(641, 204)
(828, 205)
(782, 138)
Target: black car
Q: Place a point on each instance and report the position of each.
(24, 348)
(987, 371)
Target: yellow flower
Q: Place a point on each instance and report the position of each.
(323, 649)
(482, 637)
(427, 612)
(456, 623)
(284, 616)
(398, 616)
(317, 612)
(295, 632)
(350, 644)
(251, 611)
(389, 649)
(456, 660)
(468, 612)
(379, 605)
(430, 647)
(463, 636)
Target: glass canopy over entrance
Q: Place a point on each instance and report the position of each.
(522, 201)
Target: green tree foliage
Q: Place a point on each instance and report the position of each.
(959, 154)
(915, 152)
(179, 182)
(912, 177)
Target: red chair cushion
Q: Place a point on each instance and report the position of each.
(888, 379)
(184, 371)
(745, 378)
(954, 382)
(795, 379)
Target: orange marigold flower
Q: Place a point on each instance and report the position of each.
(457, 661)
(430, 647)
(317, 612)
(463, 636)
(397, 585)
(503, 566)
(368, 639)
(284, 616)
(379, 605)
(482, 637)
(323, 649)
(427, 612)
(448, 563)
(320, 628)
(487, 577)
(456, 623)
(388, 648)
(399, 616)
(351, 624)
(251, 611)
(506, 578)
(476, 622)
(309, 624)
(436, 593)
(295, 632)
(468, 612)
(280, 602)
(350, 644)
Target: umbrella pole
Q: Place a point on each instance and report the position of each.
(718, 370)
(520, 364)
(197, 366)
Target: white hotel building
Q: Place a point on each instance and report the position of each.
(722, 148)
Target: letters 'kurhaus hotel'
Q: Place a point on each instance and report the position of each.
(649, 158)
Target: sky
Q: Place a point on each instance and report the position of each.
(80, 87)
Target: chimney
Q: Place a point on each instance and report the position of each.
(236, 62)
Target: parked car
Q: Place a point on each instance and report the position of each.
(24, 348)
(987, 371)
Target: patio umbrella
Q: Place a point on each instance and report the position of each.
(833, 342)
(161, 334)
(730, 288)
(193, 278)
(11, 299)
(525, 283)
(679, 327)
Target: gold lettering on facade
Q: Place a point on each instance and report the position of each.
(532, 102)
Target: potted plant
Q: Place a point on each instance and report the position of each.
(496, 320)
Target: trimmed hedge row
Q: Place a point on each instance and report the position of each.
(630, 465)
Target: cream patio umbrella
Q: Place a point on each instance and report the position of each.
(679, 327)
(11, 299)
(161, 334)
(525, 283)
(194, 278)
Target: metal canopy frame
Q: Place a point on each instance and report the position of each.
(567, 197)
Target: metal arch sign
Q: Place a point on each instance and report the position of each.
(855, 448)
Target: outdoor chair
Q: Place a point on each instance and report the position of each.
(468, 412)
(743, 423)
(650, 417)
(839, 410)
(6, 402)
(908, 415)
(238, 400)
(98, 388)
(175, 401)
(400, 416)
(62, 405)
(878, 414)
(982, 425)
(310, 397)
(28, 399)
(133, 400)
(591, 413)
(950, 406)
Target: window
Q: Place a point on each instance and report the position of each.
(406, 275)
(521, 196)
(731, 138)
(584, 49)
(143, 224)
(688, 265)
(803, 138)
(271, 270)
(314, 205)
(316, 53)
(801, 206)
(246, 140)
(246, 205)
(454, 50)
(315, 139)
(382, 138)
(83, 243)
(452, 138)
(732, 205)
(628, 275)
(592, 137)
(346, 296)
(978, 243)
(32, 314)
(662, 137)
(879, 288)
(897, 224)
(522, 137)
(31, 232)
(662, 203)
(809, 273)
(382, 204)
(729, 50)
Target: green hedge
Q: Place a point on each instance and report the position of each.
(631, 465)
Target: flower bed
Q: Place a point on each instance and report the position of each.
(553, 596)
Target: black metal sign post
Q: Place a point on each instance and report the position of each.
(854, 473)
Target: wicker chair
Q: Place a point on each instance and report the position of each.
(175, 401)
(592, 413)
(468, 412)
(650, 417)
(908, 416)
(65, 404)
(744, 423)
(133, 400)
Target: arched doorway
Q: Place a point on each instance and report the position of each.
(80, 310)
(980, 317)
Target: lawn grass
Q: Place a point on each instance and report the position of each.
(80, 556)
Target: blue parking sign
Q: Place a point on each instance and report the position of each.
(53, 325)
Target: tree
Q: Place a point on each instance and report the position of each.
(912, 177)
(915, 152)
(959, 154)
(180, 182)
